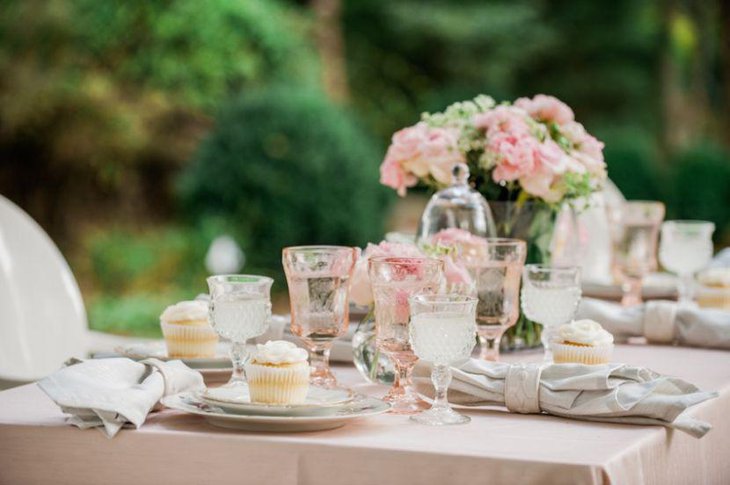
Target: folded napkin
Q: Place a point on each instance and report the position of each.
(612, 393)
(661, 322)
(112, 392)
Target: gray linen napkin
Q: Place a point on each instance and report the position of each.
(612, 393)
(661, 322)
(109, 393)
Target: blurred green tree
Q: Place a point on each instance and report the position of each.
(100, 102)
(285, 167)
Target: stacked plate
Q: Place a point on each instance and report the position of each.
(232, 408)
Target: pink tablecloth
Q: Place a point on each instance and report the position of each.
(36, 446)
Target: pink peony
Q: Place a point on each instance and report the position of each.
(361, 292)
(543, 184)
(505, 119)
(418, 151)
(546, 108)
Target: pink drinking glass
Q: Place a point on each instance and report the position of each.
(496, 279)
(319, 286)
(394, 281)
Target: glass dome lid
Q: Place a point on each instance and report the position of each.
(457, 206)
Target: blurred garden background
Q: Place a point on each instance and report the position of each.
(137, 131)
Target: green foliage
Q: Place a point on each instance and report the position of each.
(700, 187)
(631, 159)
(136, 314)
(286, 167)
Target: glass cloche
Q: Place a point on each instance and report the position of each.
(457, 206)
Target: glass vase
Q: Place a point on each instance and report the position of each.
(373, 365)
(534, 223)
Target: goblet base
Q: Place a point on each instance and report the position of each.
(440, 417)
(404, 401)
(323, 378)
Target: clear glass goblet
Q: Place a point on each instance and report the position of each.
(319, 287)
(685, 248)
(442, 333)
(239, 309)
(394, 281)
(635, 235)
(550, 297)
(496, 280)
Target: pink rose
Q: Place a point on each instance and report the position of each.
(466, 244)
(418, 151)
(546, 108)
(503, 118)
(543, 184)
(361, 292)
(515, 155)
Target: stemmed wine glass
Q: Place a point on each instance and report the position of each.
(550, 297)
(635, 235)
(686, 247)
(239, 309)
(394, 280)
(442, 333)
(319, 286)
(496, 281)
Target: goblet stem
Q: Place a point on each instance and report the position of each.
(489, 346)
(319, 359)
(402, 397)
(632, 291)
(239, 356)
(441, 378)
(685, 289)
(545, 337)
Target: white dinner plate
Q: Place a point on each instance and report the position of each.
(319, 402)
(190, 402)
(156, 349)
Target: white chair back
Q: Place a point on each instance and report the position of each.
(42, 316)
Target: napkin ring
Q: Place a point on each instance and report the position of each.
(522, 388)
(659, 321)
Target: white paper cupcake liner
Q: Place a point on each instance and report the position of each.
(578, 354)
(187, 341)
(278, 384)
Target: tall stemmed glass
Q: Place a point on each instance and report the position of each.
(319, 286)
(442, 332)
(394, 280)
(635, 237)
(550, 297)
(496, 278)
(686, 247)
(239, 309)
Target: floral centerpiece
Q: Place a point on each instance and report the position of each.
(527, 158)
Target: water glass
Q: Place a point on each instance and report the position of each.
(319, 293)
(635, 234)
(442, 333)
(550, 297)
(394, 281)
(496, 279)
(686, 247)
(239, 309)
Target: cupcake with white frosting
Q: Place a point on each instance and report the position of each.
(187, 331)
(278, 373)
(582, 342)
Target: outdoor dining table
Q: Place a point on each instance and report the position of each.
(37, 446)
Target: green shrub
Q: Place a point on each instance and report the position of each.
(631, 158)
(286, 167)
(700, 187)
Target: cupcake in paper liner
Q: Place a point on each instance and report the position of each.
(278, 374)
(187, 331)
(582, 342)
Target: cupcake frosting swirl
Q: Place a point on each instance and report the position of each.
(186, 311)
(279, 352)
(586, 332)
